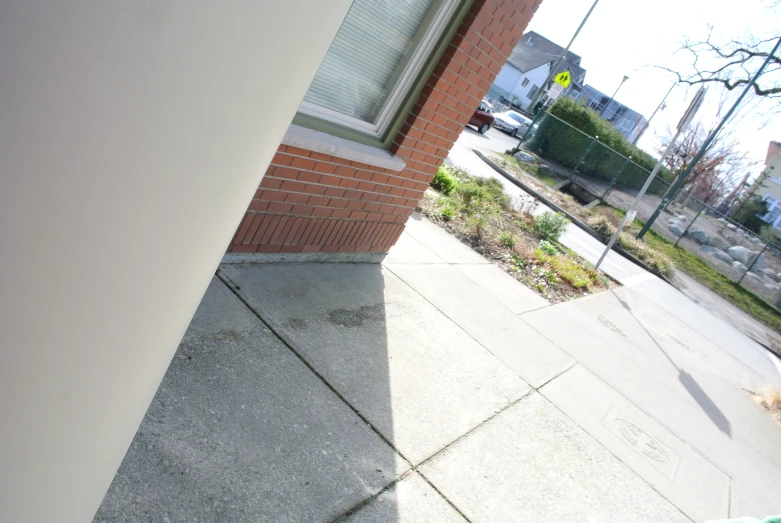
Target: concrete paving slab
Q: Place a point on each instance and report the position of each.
(677, 388)
(242, 430)
(415, 375)
(409, 250)
(505, 289)
(412, 500)
(672, 467)
(708, 325)
(511, 340)
(669, 330)
(532, 463)
(440, 242)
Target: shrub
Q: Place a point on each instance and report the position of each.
(565, 140)
(475, 189)
(507, 239)
(548, 248)
(550, 226)
(658, 261)
(447, 213)
(443, 181)
(602, 226)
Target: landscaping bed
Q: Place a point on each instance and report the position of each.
(604, 219)
(477, 211)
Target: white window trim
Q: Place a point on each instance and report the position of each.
(435, 30)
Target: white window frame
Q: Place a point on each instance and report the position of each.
(436, 28)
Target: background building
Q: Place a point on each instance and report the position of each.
(768, 185)
(528, 66)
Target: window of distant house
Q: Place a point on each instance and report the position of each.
(625, 125)
(593, 104)
(525, 82)
(533, 92)
(772, 215)
(374, 60)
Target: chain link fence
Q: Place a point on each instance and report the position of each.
(743, 256)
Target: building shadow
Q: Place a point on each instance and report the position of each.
(276, 406)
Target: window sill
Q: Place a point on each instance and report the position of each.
(324, 143)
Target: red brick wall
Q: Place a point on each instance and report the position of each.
(310, 202)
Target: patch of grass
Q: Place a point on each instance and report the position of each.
(507, 239)
(715, 281)
(569, 270)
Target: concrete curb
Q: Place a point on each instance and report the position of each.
(515, 181)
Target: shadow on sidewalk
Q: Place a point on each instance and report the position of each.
(246, 426)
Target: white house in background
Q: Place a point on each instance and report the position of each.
(528, 67)
(768, 185)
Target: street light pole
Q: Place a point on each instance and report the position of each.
(624, 79)
(559, 59)
(658, 107)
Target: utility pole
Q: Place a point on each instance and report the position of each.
(602, 112)
(658, 107)
(558, 60)
(708, 141)
(632, 212)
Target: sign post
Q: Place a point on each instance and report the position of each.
(683, 124)
(563, 79)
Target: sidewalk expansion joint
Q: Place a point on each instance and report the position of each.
(289, 344)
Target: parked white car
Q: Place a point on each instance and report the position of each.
(512, 122)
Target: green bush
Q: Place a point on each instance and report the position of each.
(548, 248)
(550, 226)
(565, 144)
(443, 181)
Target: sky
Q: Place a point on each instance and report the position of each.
(627, 37)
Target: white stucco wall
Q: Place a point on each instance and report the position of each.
(132, 138)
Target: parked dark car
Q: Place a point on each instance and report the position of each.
(483, 118)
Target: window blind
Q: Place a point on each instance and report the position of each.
(368, 55)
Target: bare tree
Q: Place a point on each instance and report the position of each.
(731, 64)
(723, 164)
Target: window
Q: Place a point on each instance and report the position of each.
(517, 117)
(772, 215)
(625, 125)
(525, 82)
(374, 60)
(593, 104)
(533, 92)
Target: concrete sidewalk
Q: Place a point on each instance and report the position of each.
(435, 387)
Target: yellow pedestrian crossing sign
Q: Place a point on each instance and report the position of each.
(562, 79)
